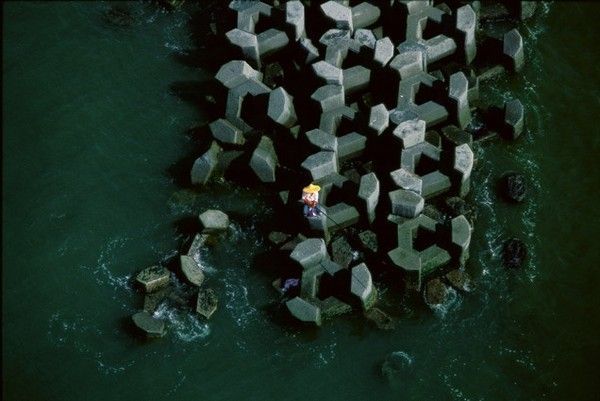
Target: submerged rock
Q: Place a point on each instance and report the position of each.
(380, 318)
(153, 278)
(513, 186)
(207, 302)
(153, 299)
(151, 326)
(460, 280)
(514, 253)
(436, 292)
(396, 364)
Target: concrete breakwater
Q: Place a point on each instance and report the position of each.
(378, 104)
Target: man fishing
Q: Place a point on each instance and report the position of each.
(310, 197)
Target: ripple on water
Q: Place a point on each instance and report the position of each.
(187, 326)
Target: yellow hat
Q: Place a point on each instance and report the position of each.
(311, 189)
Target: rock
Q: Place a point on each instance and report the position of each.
(205, 165)
(456, 206)
(436, 292)
(151, 326)
(207, 302)
(213, 221)
(277, 237)
(192, 272)
(406, 203)
(304, 311)
(264, 160)
(153, 278)
(460, 280)
(361, 285)
(397, 363)
(153, 299)
(513, 186)
(332, 306)
(368, 240)
(514, 253)
(281, 108)
(341, 252)
(309, 252)
(380, 318)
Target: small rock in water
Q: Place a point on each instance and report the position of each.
(436, 292)
(153, 278)
(119, 16)
(460, 280)
(396, 364)
(514, 253)
(148, 324)
(380, 318)
(207, 302)
(513, 187)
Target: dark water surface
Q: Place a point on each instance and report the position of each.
(90, 131)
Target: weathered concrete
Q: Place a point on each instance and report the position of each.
(341, 252)
(369, 192)
(361, 285)
(236, 72)
(460, 280)
(329, 97)
(365, 37)
(304, 311)
(264, 160)
(351, 145)
(151, 326)
(338, 13)
(322, 140)
(514, 253)
(513, 49)
(294, 15)
(247, 42)
(463, 165)
(407, 180)
(281, 108)
(384, 51)
(153, 278)
(410, 133)
(408, 63)
(458, 92)
(205, 165)
(435, 183)
(341, 215)
(368, 240)
(379, 119)
(406, 203)
(213, 221)
(271, 41)
(364, 14)
(309, 252)
(514, 118)
(329, 73)
(461, 236)
(381, 319)
(436, 292)
(321, 164)
(195, 248)
(356, 79)
(226, 132)
(206, 303)
(466, 22)
(190, 269)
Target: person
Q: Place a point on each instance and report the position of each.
(310, 197)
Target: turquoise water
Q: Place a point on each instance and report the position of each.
(91, 135)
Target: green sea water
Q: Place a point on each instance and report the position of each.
(91, 132)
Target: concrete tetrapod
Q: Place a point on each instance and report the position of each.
(153, 278)
(264, 160)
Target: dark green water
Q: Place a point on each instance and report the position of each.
(90, 131)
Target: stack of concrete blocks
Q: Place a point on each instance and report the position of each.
(255, 45)
(311, 255)
(417, 264)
